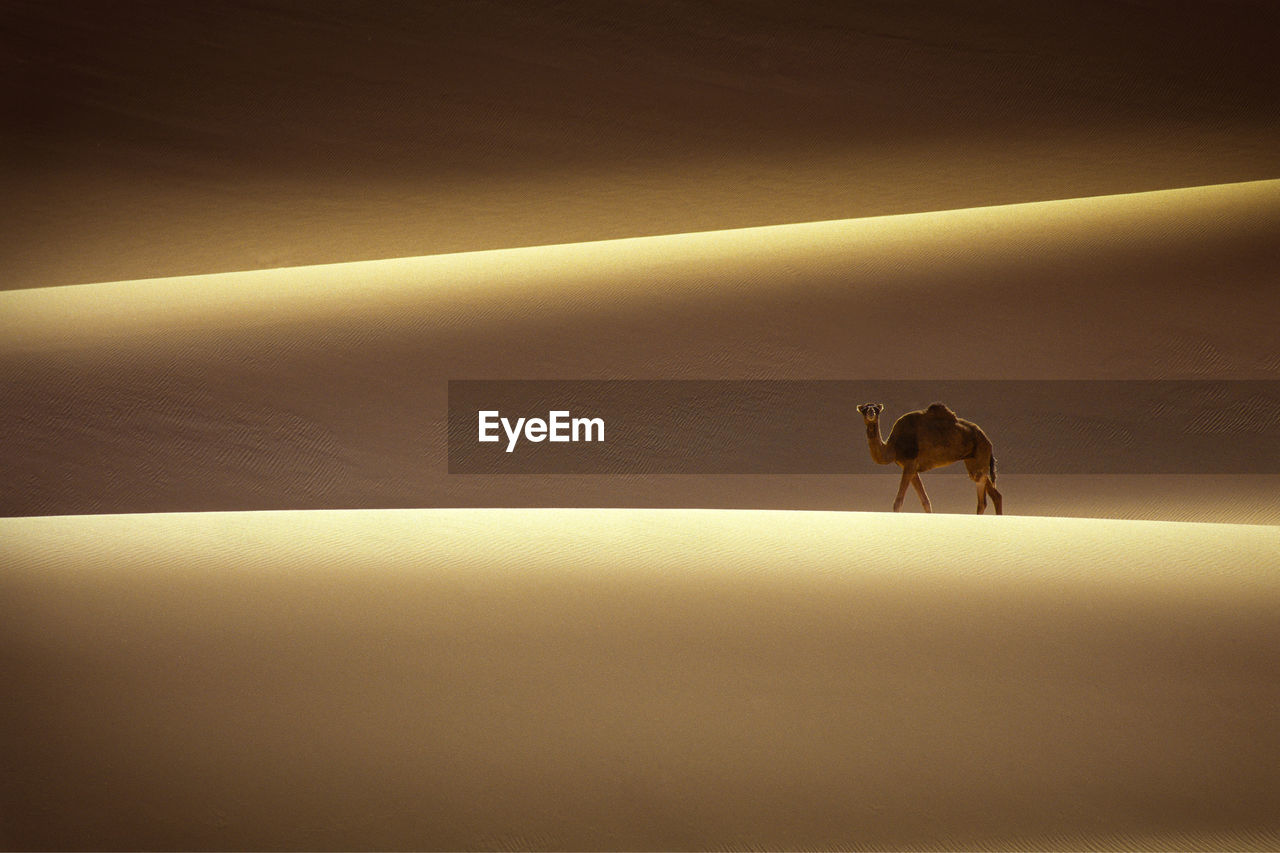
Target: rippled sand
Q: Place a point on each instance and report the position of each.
(334, 674)
(217, 631)
(326, 387)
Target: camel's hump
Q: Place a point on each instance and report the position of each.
(938, 410)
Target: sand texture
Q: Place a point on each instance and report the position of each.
(720, 670)
(151, 140)
(245, 249)
(638, 679)
(326, 387)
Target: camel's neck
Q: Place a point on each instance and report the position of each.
(880, 451)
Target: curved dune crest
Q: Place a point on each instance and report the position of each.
(326, 387)
(654, 679)
(637, 270)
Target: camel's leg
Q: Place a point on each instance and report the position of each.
(908, 472)
(982, 494)
(924, 499)
(996, 497)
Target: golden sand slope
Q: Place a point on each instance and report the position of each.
(265, 134)
(325, 387)
(626, 679)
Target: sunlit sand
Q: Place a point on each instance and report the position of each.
(640, 679)
(249, 599)
(741, 675)
(325, 387)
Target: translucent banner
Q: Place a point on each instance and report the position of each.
(814, 426)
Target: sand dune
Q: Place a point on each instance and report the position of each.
(659, 678)
(325, 387)
(638, 679)
(244, 603)
(147, 141)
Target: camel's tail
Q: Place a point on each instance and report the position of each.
(993, 469)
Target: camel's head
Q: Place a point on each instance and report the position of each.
(871, 411)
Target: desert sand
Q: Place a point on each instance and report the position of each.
(245, 248)
(219, 633)
(326, 387)
(165, 140)
(638, 679)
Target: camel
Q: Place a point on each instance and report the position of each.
(931, 438)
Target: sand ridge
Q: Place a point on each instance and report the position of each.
(639, 679)
(276, 134)
(325, 387)
(245, 605)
